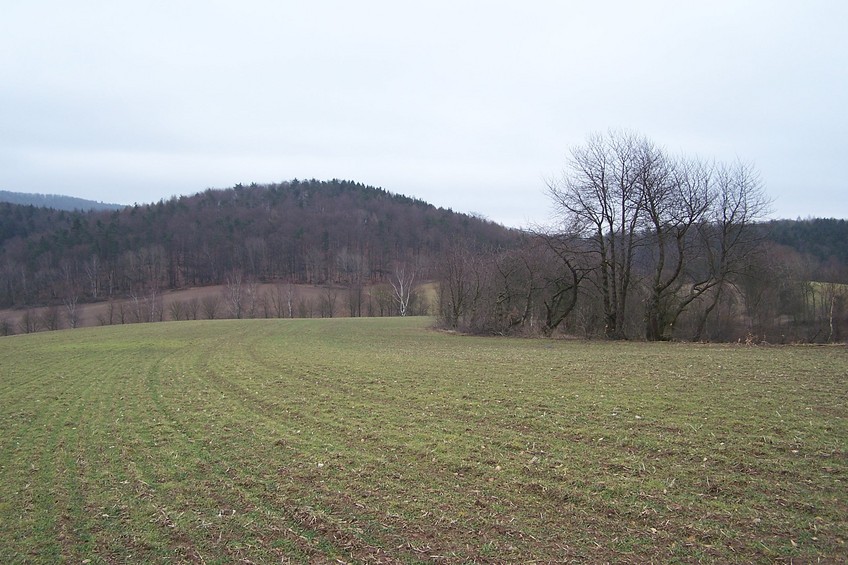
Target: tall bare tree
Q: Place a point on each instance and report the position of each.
(677, 197)
(599, 196)
(728, 239)
(672, 230)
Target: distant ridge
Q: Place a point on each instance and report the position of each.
(55, 201)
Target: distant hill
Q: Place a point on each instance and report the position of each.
(306, 232)
(55, 201)
(823, 238)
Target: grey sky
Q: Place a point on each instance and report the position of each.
(468, 105)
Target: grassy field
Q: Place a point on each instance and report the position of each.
(379, 440)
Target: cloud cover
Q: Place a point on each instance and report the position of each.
(470, 105)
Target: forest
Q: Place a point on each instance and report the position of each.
(688, 254)
(300, 232)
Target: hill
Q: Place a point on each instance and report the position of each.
(55, 201)
(823, 240)
(305, 232)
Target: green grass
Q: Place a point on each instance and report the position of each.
(361, 440)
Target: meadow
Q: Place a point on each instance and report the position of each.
(382, 440)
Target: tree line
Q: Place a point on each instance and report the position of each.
(651, 246)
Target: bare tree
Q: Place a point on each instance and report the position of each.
(560, 258)
(191, 309)
(51, 318)
(92, 270)
(178, 310)
(71, 312)
(351, 270)
(381, 300)
(460, 285)
(403, 285)
(677, 197)
(29, 322)
(210, 306)
(235, 293)
(277, 299)
(251, 292)
(327, 302)
(728, 239)
(673, 231)
(600, 197)
(291, 294)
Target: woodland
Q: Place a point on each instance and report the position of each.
(687, 254)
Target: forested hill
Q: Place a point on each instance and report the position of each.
(315, 232)
(57, 201)
(822, 238)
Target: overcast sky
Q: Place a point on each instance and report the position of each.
(467, 105)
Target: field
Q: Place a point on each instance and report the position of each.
(380, 440)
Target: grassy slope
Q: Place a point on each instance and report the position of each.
(363, 439)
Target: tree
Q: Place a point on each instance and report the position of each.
(178, 311)
(672, 231)
(235, 293)
(563, 270)
(729, 240)
(71, 311)
(210, 305)
(403, 283)
(327, 302)
(677, 197)
(460, 286)
(600, 198)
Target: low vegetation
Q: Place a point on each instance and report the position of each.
(380, 440)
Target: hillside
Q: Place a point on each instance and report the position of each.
(55, 201)
(823, 240)
(304, 232)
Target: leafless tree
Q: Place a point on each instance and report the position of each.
(600, 197)
(560, 259)
(50, 318)
(251, 294)
(460, 285)
(92, 271)
(177, 310)
(30, 322)
(71, 311)
(327, 302)
(381, 300)
(291, 295)
(671, 230)
(191, 309)
(728, 240)
(235, 293)
(677, 198)
(210, 306)
(403, 286)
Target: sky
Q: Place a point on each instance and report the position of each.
(468, 105)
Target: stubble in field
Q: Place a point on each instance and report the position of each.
(381, 440)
